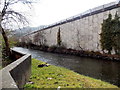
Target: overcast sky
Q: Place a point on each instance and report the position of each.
(50, 11)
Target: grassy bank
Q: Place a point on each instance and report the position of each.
(54, 77)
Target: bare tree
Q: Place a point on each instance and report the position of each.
(39, 38)
(9, 16)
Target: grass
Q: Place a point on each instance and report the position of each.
(54, 77)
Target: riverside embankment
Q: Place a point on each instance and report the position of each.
(50, 76)
(105, 70)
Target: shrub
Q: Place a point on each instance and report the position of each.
(110, 35)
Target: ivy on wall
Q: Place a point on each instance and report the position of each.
(59, 38)
(110, 34)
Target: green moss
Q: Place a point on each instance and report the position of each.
(53, 77)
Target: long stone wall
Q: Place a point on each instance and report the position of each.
(79, 32)
(16, 74)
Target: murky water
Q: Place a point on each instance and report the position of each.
(108, 71)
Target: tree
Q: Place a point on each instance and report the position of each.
(39, 38)
(110, 35)
(59, 38)
(116, 33)
(9, 16)
(106, 40)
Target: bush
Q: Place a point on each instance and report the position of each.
(52, 48)
(110, 35)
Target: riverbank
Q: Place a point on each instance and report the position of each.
(54, 77)
(81, 53)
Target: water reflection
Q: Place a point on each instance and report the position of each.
(100, 69)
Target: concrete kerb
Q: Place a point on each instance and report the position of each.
(16, 74)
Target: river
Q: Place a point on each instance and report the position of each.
(105, 70)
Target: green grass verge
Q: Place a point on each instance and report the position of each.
(53, 76)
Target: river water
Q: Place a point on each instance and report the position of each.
(105, 70)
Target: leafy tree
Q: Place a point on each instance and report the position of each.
(106, 40)
(110, 35)
(116, 33)
(9, 16)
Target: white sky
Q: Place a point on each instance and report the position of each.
(50, 11)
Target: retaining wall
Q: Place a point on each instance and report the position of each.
(16, 74)
(78, 32)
